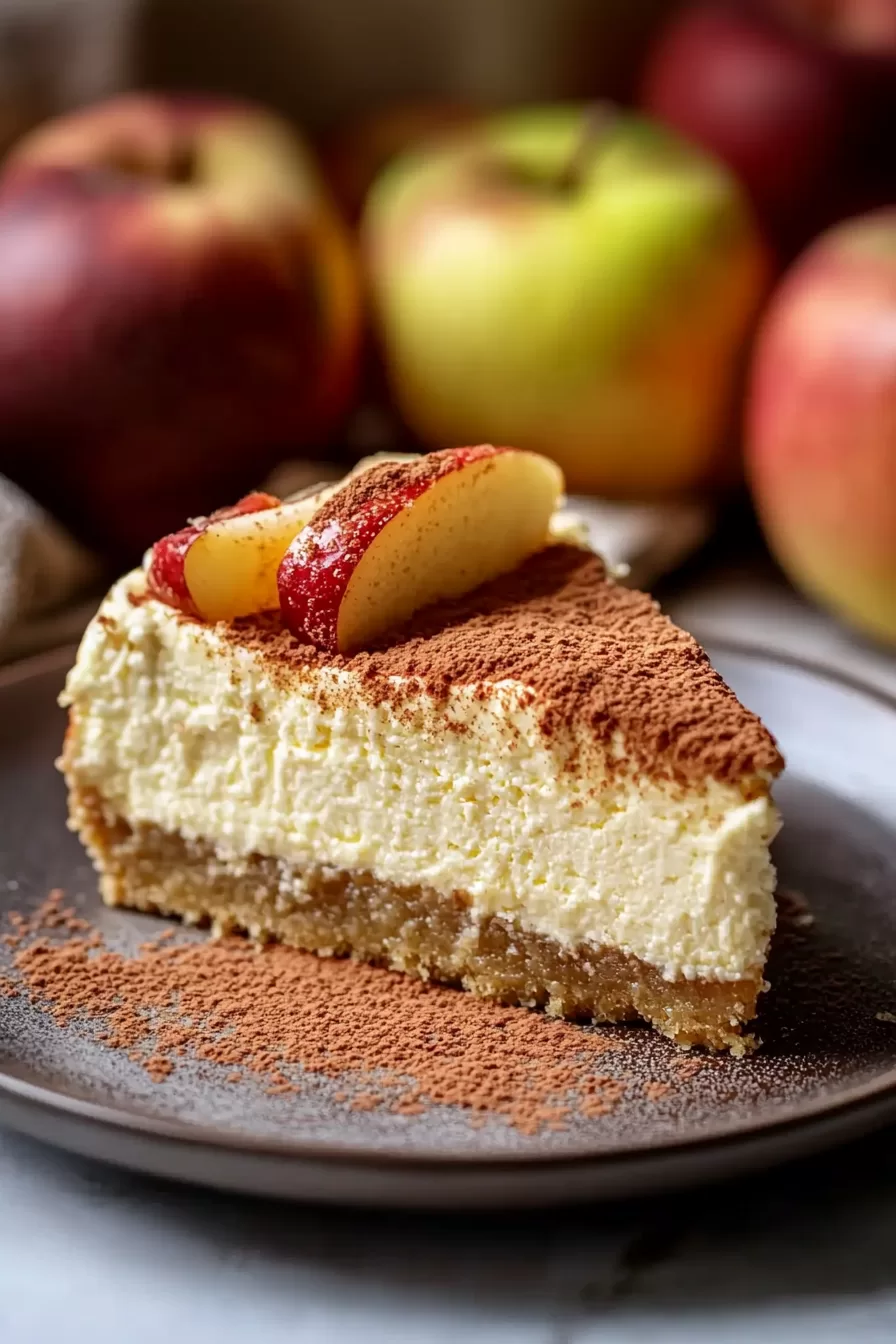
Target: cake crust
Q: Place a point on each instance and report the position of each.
(411, 929)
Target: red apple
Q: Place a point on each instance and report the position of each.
(821, 426)
(769, 104)
(857, 40)
(404, 534)
(864, 26)
(178, 306)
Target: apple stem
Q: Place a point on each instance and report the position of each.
(600, 119)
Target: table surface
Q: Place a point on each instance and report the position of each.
(809, 1253)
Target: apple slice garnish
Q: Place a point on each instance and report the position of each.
(404, 534)
(225, 566)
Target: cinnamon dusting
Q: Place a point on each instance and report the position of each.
(597, 658)
(383, 481)
(399, 1043)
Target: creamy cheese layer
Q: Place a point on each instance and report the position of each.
(177, 726)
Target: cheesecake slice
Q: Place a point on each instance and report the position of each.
(539, 789)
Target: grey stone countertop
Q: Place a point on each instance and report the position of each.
(808, 1253)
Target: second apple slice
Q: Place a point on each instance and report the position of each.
(230, 569)
(403, 535)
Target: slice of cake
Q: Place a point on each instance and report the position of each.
(458, 747)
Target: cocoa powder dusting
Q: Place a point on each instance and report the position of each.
(380, 484)
(391, 1041)
(597, 658)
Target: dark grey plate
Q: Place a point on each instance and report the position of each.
(827, 1070)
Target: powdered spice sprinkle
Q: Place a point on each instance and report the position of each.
(395, 1042)
(392, 1042)
(598, 659)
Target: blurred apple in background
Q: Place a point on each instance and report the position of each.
(355, 155)
(766, 103)
(779, 90)
(352, 158)
(179, 308)
(866, 26)
(570, 280)
(821, 426)
(857, 38)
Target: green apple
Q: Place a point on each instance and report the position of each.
(572, 280)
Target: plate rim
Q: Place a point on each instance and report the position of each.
(874, 1099)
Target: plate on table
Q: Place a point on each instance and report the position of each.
(826, 1070)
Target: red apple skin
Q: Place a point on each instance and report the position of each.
(865, 27)
(856, 39)
(165, 575)
(768, 104)
(821, 423)
(317, 568)
(164, 341)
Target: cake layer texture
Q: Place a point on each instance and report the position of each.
(411, 929)
(575, 818)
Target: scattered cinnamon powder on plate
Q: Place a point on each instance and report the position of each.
(391, 1041)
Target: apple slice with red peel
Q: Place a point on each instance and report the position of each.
(404, 534)
(165, 576)
(225, 566)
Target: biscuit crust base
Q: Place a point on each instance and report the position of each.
(409, 928)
